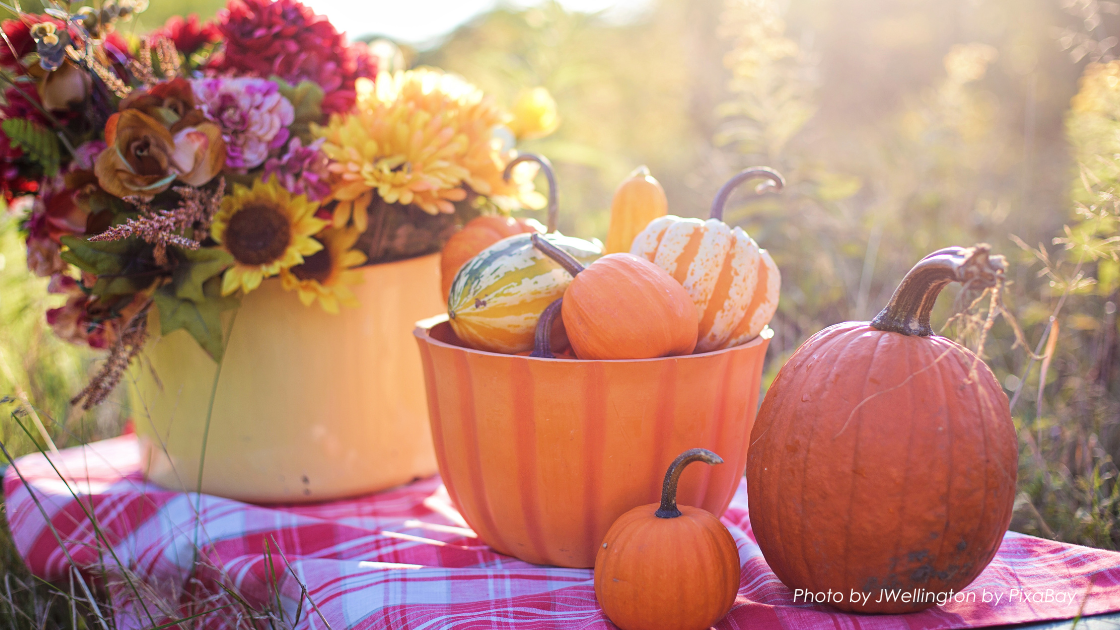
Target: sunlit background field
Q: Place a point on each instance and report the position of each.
(902, 126)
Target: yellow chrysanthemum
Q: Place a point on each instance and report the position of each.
(328, 274)
(417, 137)
(266, 229)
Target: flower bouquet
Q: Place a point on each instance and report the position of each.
(169, 178)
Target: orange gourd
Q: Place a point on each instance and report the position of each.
(637, 201)
(482, 232)
(623, 307)
(884, 457)
(664, 567)
(733, 283)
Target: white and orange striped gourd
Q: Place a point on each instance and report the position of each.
(733, 283)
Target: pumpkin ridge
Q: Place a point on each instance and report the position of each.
(899, 534)
(721, 293)
(809, 571)
(760, 290)
(716, 241)
(683, 260)
(949, 467)
(855, 460)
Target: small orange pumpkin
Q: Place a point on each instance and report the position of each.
(884, 456)
(733, 283)
(637, 201)
(663, 567)
(623, 307)
(482, 232)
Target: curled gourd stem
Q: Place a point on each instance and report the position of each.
(542, 342)
(774, 182)
(553, 193)
(909, 309)
(668, 507)
(565, 260)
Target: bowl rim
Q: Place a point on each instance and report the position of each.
(423, 329)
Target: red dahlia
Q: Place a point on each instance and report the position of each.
(286, 38)
(188, 34)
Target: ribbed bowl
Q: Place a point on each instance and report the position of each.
(542, 455)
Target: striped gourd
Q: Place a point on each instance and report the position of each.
(733, 283)
(498, 296)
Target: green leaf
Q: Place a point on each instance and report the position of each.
(307, 99)
(201, 319)
(36, 141)
(197, 267)
(98, 257)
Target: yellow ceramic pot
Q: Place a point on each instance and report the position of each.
(309, 406)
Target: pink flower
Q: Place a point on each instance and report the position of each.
(302, 170)
(252, 114)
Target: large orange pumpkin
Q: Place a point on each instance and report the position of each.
(733, 283)
(482, 232)
(884, 457)
(623, 307)
(664, 567)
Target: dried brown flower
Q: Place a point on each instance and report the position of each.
(161, 228)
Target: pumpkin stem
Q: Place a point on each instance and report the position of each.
(668, 508)
(565, 260)
(641, 171)
(542, 344)
(974, 267)
(553, 192)
(775, 182)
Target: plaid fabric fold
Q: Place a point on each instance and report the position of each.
(405, 559)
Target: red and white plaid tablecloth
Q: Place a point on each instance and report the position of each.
(405, 559)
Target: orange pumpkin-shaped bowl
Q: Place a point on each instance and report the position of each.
(541, 455)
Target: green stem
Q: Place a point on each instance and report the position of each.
(562, 258)
(542, 342)
(908, 310)
(668, 508)
(775, 182)
(549, 174)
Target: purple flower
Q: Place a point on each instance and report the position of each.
(302, 170)
(254, 117)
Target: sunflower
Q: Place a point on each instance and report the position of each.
(416, 137)
(328, 273)
(266, 229)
